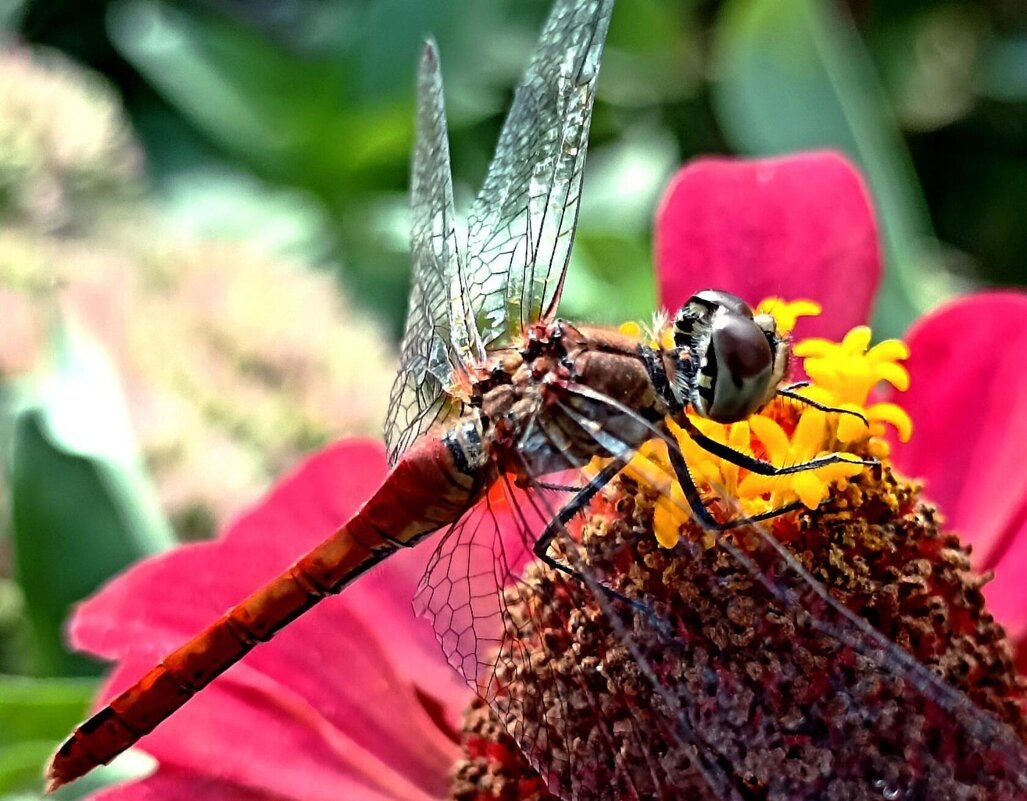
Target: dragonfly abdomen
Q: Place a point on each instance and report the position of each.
(425, 491)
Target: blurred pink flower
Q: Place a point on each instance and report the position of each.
(234, 361)
(353, 700)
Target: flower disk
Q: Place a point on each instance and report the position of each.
(754, 664)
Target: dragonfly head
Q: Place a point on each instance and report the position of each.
(733, 360)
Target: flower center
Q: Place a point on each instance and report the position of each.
(745, 666)
(788, 432)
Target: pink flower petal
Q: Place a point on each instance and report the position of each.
(177, 785)
(350, 664)
(157, 601)
(793, 227)
(1006, 597)
(253, 732)
(967, 399)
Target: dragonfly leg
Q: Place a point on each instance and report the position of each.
(572, 507)
(786, 392)
(555, 487)
(761, 466)
(702, 515)
(582, 497)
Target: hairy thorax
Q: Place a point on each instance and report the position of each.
(570, 393)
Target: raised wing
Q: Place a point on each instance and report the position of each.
(521, 226)
(440, 337)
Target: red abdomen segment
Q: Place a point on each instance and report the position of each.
(424, 492)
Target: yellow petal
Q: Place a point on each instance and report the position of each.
(754, 485)
(857, 340)
(646, 472)
(786, 314)
(810, 434)
(805, 308)
(850, 427)
(810, 489)
(894, 414)
(769, 305)
(814, 347)
(738, 436)
(823, 372)
(894, 374)
(890, 350)
(710, 428)
(631, 329)
(879, 448)
(815, 393)
(666, 523)
(710, 472)
(772, 436)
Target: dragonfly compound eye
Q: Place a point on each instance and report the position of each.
(737, 370)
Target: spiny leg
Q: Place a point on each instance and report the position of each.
(786, 392)
(699, 510)
(555, 487)
(582, 497)
(761, 466)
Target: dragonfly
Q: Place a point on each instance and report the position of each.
(496, 391)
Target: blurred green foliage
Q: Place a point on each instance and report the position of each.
(81, 505)
(35, 714)
(777, 60)
(287, 124)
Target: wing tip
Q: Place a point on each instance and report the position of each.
(429, 53)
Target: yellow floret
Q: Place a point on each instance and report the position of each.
(842, 375)
(631, 329)
(787, 313)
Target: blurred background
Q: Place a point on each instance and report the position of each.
(203, 233)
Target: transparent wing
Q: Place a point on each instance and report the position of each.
(486, 599)
(440, 337)
(521, 226)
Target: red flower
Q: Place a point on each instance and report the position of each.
(967, 398)
(354, 701)
(803, 226)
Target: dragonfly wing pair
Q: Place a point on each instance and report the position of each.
(464, 305)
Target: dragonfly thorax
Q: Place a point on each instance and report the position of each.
(729, 361)
(538, 409)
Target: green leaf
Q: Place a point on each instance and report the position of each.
(222, 204)
(36, 715)
(11, 13)
(612, 252)
(41, 709)
(82, 507)
(793, 75)
(287, 116)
